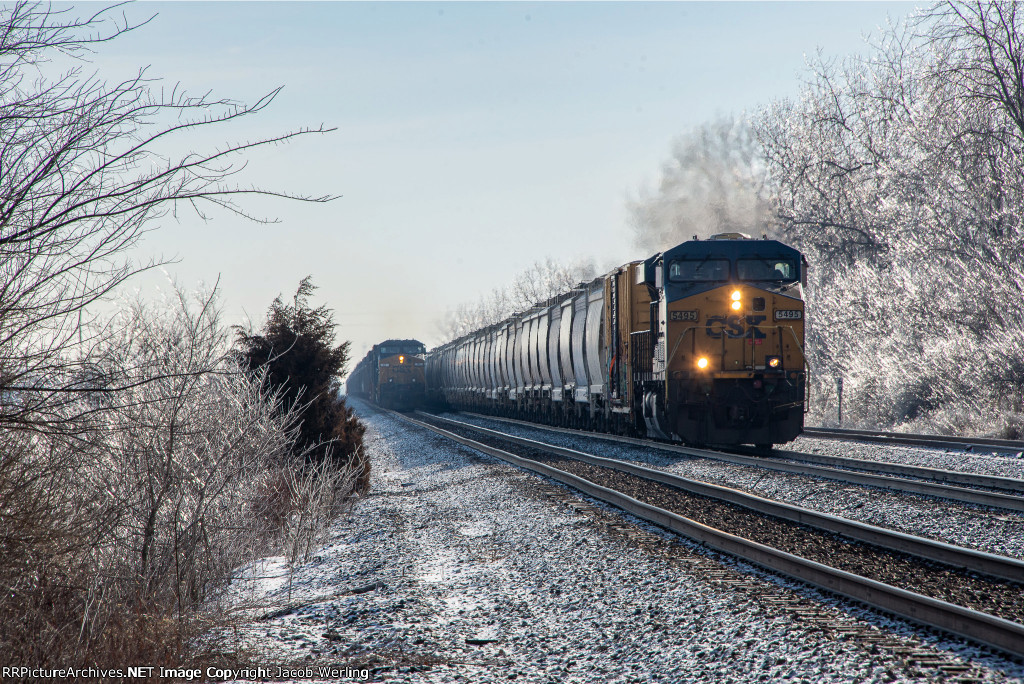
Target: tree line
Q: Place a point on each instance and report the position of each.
(900, 174)
(145, 454)
(540, 281)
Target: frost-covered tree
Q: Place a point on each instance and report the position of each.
(539, 282)
(86, 168)
(138, 464)
(901, 174)
(113, 536)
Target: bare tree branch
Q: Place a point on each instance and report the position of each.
(84, 172)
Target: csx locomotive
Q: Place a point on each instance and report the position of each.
(391, 375)
(702, 343)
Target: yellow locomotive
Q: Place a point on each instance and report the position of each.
(726, 355)
(702, 343)
(391, 375)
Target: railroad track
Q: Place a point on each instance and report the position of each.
(962, 596)
(1000, 492)
(911, 439)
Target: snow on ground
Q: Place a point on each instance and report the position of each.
(979, 527)
(458, 568)
(963, 460)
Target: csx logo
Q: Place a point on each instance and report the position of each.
(735, 327)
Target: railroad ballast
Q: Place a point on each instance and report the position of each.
(702, 343)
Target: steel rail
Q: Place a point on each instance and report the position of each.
(947, 489)
(1003, 635)
(914, 439)
(1008, 484)
(957, 556)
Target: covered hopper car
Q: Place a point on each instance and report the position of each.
(703, 343)
(391, 375)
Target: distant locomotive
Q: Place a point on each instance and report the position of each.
(702, 343)
(391, 375)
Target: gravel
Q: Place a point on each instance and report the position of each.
(997, 597)
(969, 460)
(457, 568)
(979, 527)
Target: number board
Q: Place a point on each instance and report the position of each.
(788, 315)
(682, 315)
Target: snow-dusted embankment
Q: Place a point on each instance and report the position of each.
(457, 568)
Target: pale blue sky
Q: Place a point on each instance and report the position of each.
(473, 138)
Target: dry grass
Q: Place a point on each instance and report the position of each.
(68, 602)
(115, 535)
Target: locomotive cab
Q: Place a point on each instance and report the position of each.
(392, 374)
(728, 361)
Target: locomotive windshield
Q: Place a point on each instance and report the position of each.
(417, 348)
(690, 270)
(779, 269)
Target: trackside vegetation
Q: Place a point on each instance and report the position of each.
(899, 173)
(141, 463)
(295, 354)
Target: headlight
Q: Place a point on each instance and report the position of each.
(736, 304)
(774, 361)
(702, 362)
(735, 295)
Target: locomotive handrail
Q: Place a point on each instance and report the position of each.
(807, 367)
(668, 361)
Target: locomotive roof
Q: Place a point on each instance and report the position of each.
(399, 343)
(730, 249)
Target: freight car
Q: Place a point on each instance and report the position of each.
(702, 343)
(391, 375)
